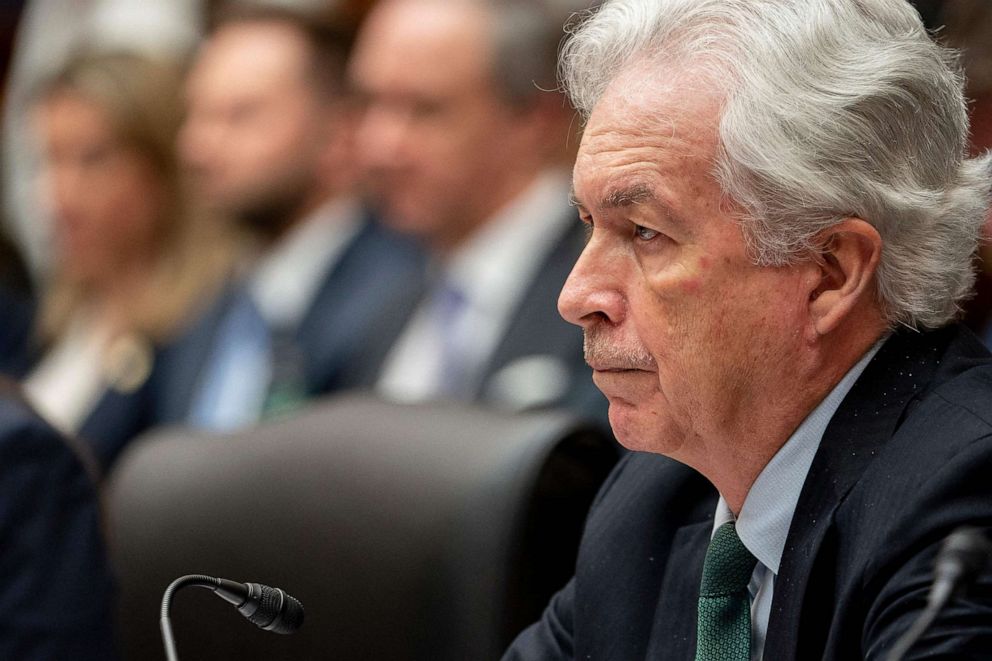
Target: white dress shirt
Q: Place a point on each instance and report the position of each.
(767, 512)
(492, 272)
(69, 380)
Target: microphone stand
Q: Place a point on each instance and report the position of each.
(270, 609)
(165, 622)
(962, 556)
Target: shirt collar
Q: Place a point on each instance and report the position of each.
(286, 278)
(767, 512)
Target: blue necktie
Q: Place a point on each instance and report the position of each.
(237, 374)
(450, 304)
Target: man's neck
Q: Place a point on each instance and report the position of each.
(774, 416)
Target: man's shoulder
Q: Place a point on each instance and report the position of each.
(940, 449)
(951, 409)
(924, 400)
(929, 473)
(969, 395)
(924, 480)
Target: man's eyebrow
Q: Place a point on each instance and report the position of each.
(627, 196)
(619, 197)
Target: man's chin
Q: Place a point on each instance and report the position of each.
(408, 219)
(644, 426)
(627, 424)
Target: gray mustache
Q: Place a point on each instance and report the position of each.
(602, 352)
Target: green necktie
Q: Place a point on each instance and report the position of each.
(724, 626)
(287, 389)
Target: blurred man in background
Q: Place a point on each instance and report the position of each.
(462, 145)
(268, 142)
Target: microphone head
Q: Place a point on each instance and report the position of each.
(966, 550)
(275, 610)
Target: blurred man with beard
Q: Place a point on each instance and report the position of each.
(268, 142)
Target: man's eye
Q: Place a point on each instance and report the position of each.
(645, 233)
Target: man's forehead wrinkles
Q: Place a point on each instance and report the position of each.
(635, 152)
(607, 140)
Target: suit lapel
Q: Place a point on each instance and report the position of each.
(865, 421)
(376, 266)
(673, 636)
(322, 327)
(179, 372)
(536, 320)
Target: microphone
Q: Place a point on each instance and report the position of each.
(268, 608)
(962, 556)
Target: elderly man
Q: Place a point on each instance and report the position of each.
(781, 224)
(462, 145)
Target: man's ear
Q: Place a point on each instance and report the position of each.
(847, 263)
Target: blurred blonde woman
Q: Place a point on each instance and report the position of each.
(132, 262)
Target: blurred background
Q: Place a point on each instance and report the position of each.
(38, 36)
(219, 218)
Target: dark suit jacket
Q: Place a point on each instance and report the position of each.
(16, 319)
(333, 335)
(55, 582)
(537, 332)
(536, 340)
(905, 460)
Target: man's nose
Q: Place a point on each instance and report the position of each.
(592, 292)
(380, 136)
(196, 142)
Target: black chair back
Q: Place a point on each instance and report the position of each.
(408, 532)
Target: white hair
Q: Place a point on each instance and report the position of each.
(833, 109)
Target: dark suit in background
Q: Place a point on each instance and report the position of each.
(536, 343)
(17, 311)
(335, 334)
(536, 330)
(905, 460)
(55, 582)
